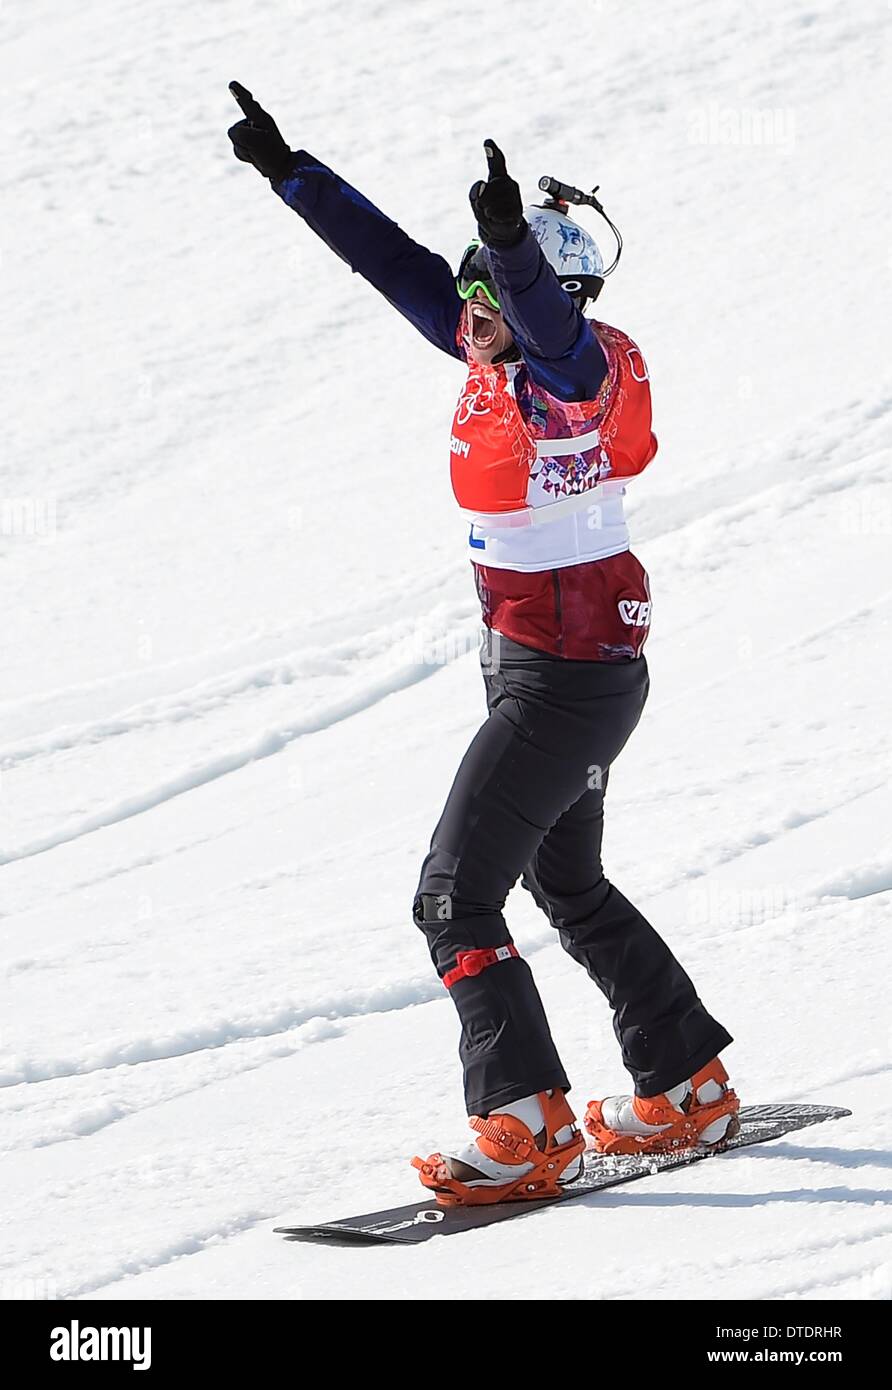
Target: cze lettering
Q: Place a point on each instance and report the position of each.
(634, 612)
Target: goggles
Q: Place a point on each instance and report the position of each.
(474, 274)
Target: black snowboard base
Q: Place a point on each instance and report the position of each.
(422, 1220)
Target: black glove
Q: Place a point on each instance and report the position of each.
(256, 139)
(497, 203)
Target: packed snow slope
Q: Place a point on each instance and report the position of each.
(239, 626)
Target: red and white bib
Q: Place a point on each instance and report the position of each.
(540, 480)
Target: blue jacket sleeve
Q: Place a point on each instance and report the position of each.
(417, 282)
(556, 342)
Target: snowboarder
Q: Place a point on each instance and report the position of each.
(553, 418)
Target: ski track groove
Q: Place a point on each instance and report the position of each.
(188, 1246)
(216, 692)
(364, 627)
(757, 1261)
(393, 998)
(224, 1233)
(275, 740)
(115, 1112)
(264, 746)
(879, 1275)
(783, 649)
(177, 706)
(326, 1016)
(232, 1231)
(879, 875)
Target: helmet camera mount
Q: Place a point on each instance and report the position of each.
(561, 195)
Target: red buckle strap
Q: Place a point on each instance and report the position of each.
(471, 963)
(517, 1144)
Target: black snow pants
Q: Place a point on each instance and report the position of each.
(528, 799)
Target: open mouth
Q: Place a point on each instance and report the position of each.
(484, 325)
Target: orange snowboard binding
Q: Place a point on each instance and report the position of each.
(526, 1150)
(701, 1112)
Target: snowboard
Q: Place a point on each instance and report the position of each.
(423, 1220)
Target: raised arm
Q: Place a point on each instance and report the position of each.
(556, 342)
(416, 281)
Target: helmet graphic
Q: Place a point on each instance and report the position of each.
(569, 249)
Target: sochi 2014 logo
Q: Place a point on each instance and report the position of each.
(476, 399)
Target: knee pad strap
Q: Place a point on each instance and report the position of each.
(470, 963)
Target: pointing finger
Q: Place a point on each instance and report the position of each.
(250, 108)
(495, 159)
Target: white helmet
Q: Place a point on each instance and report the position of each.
(569, 249)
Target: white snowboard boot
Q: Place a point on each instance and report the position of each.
(701, 1112)
(526, 1149)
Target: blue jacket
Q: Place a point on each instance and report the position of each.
(557, 344)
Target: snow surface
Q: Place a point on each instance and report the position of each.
(238, 668)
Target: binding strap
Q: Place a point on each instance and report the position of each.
(470, 963)
(511, 1146)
